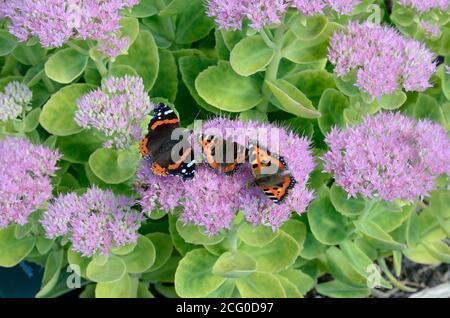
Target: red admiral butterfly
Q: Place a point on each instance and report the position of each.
(158, 147)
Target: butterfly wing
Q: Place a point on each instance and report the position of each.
(158, 144)
(271, 174)
(160, 129)
(222, 155)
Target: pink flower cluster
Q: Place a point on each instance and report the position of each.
(388, 156)
(382, 59)
(25, 171)
(426, 5)
(311, 7)
(212, 199)
(116, 110)
(94, 222)
(432, 29)
(54, 22)
(230, 14)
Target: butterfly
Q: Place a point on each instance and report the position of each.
(271, 173)
(222, 155)
(158, 147)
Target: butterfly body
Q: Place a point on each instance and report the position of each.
(168, 156)
(222, 155)
(271, 173)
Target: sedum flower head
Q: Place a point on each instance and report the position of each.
(54, 22)
(431, 29)
(258, 209)
(388, 156)
(424, 6)
(383, 60)
(311, 7)
(116, 109)
(94, 222)
(212, 199)
(157, 192)
(230, 14)
(25, 171)
(13, 99)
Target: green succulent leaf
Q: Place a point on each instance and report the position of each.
(251, 55)
(276, 256)
(194, 277)
(260, 285)
(192, 24)
(327, 224)
(332, 106)
(290, 289)
(304, 283)
(125, 287)
(51, 273)
(114, 166)
(258, 236)
(344, 204)
(78, 148)
(239, 94)
(175, 7)
(141, 258)
(143, 57)
(190, 68)
(292, 99)
(78, 262)
(66, 65)
(108, 269)
(297, 230)
(393, 101)
(162, 243)
(309, 28)
(43, 245)
(373, 231)
(337, 289)
(58, 114)
(306, 51)
(166, 85)
(195, 235)
(342, 269)
(143, 9)
(13, 250)
(234, 265)
(29, 54)
(7, 43)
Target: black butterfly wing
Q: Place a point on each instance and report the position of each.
(158, 146)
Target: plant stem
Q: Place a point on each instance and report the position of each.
(366, 211)
(267, 39)
(99, 64)
(30, 55)
(232, 239)
(101, 68)
(272, 70)
(393, 280)
(48, 84)
(78, 48)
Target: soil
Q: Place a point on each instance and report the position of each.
(422, 276)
